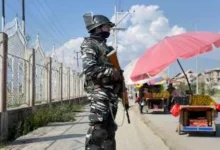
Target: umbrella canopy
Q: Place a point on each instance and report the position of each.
(152, 80)
(127, 72)
(159, 80)
(165, 52)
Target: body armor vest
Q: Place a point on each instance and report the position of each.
(102, 50)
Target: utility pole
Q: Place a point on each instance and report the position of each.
(115, 34)
(23, 17)
(3, 15)
(53, 53)
(116, 29)
(168, 71)
(77, 60)
(62, 56)
(197, 78)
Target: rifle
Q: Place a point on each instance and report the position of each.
(112, 56)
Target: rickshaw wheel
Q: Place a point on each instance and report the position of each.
(165, 111)
(147, 110)
(179, 132)
(214, 133)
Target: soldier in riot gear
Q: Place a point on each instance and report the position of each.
(100, 76)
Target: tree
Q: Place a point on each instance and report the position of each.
(182, 87)
(211, 91)
(193, 87)
(202, 88)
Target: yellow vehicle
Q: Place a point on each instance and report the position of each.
(158, 99)
(198, 116)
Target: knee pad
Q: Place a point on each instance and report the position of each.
(93, 147)
(96, 135)
(99, 135)
(89, 135)
(110, 145)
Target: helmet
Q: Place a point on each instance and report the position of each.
(95, 21)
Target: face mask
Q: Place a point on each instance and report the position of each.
(105, 34)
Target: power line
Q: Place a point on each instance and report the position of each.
(119, 4)
(51, 21)
(46, 28)
(9, 6)
(42, 28)
(43, 11)
(56, 17)
(47, 19)
(38, 25)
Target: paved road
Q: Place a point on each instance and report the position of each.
(55, 136)
(71, 135)
(142, 134)
(136, 136)
(164, 125)
(217, 99)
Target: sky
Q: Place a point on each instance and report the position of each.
(60, 23)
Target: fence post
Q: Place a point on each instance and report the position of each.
(77, 85)
(68, 83)
(33, 88)
(82, 85)
(57, 82)
(74, 83)
(3, 85)
(48, 79)
(61, 82)
(28, 76)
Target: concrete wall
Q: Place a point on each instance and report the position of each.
(14, 116)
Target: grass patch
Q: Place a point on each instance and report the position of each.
(3, 144)
(61, 113)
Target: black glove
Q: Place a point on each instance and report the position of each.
(126, 106)
(116, 75)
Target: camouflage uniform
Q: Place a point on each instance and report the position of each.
(100, 88)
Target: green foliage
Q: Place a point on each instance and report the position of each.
(42, 117)
(202, 88)
(162, 88)
(3, 144)
(217, 94)
(183, 87)
(211, 91)
(193, 87)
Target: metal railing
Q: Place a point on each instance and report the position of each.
(30, 77)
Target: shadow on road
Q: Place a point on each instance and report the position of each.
(81, 115)
(157, 113)
(66, 124)
(80, 111)
(43, 139)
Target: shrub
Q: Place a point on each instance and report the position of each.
(61, 113)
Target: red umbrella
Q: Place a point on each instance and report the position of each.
(165, 52)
